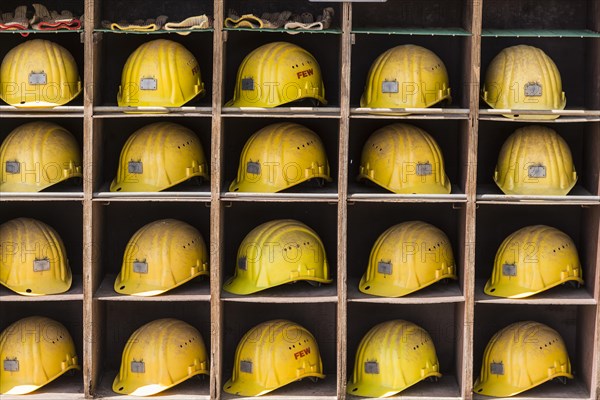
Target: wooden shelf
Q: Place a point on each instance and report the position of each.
(412, 113)
(546, 33)
(412, 31)
(490, 194)
(573, 390)
(321, 196)
(68, 111)
(42, 196)
(66, 387)
(560, 295)
(445, 388)
(195, 290)
(565, 116)
(75, 293)
(437, 293)
(306, 389)
(299, 292)
(334, 31)
(181, 193)
(367, 193)
(146, 112)
(195, 388)
(282, 112)
(158, 32)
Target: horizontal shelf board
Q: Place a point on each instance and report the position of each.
(66, 387)
(41, 196)
(413, 31)
(433, 294)
(75, 293)
(446, 388)
(412, 113)
(560, 295)
(489, 193)
(334, 31)
(303, 390)
(573, 390)
(281, 197)
(20, 31)
(158, 32)
(195, 290)
(186, 193)
(282, 112)
(133, 112)
(369, 193)
(565, 116)
(39, 112)
(195, 388)
(299, 292)
(554, 33)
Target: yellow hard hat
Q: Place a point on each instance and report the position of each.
(271, 355)
(34, 352)
(37, 155)
(160, 73)
(278, 252)
(531, 260)
(275, 74)
(159, 355)
(161, 256)
(159, 156)
(408, 257)
(406, 76)
(39, 74)
(34, 260)
(523, 78)
(404, 159)
(391, 357)
(520, 357)
(535, 160)
(280, 156)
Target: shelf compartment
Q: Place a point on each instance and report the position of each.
(75, 293)
(550, 33)
(412, 31)
(194, 290)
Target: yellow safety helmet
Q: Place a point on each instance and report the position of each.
(523, 78)
(404, 159)
(391, 357)
(275, 74)
(408, 257)
(160, 73)
(520, 357)
(159, 156)
(531, 260)
(39, 74)
(34, 260)
(404, 77)
(161, 256)
(34, 351)
(280, 156)
(159, 355)
(278, 252)
(271, 355)
(37, 155)
(535, 160)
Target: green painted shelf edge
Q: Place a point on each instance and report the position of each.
(574, 33)
(413, 31)
(159, 32)
(36, 31)
(279, 30)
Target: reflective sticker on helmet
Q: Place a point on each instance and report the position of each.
(424, 169)
(533, 89)
(384, 267)
(13, 167)
(38, 78)
(138, 367)
(509, 270)
(11, 365)
(135, 167)
(148, 84)
(247, 84)
(41, 265)
(140, 267)
(497, 368)
(371, 367)
(389, 87)
(253, 167)
(246, 366)
(536, 171)
(242, 263)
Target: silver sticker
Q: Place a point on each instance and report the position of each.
(41, 265)
(389, 87)
(247, 84)
(242, 263)
(497, 368)
(135, 167)
(138, 367)
(140, 267)
(246, 366)
(37, 78)
(11, 365)
(253, 167)
(509, 270)
(384, 268)
(13, 167)
(536, 171)
(371, 367)
(533, 89)
(424, 169)
(148, 84)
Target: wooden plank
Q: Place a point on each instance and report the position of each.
(561, 295)
(434, 294)
(195, 388)
(195, 290)
(75, 293)
(68, 387)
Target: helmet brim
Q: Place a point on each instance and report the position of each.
(519, 292)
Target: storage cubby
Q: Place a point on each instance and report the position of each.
(441, 321)
(318, 319)
(571, 322)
